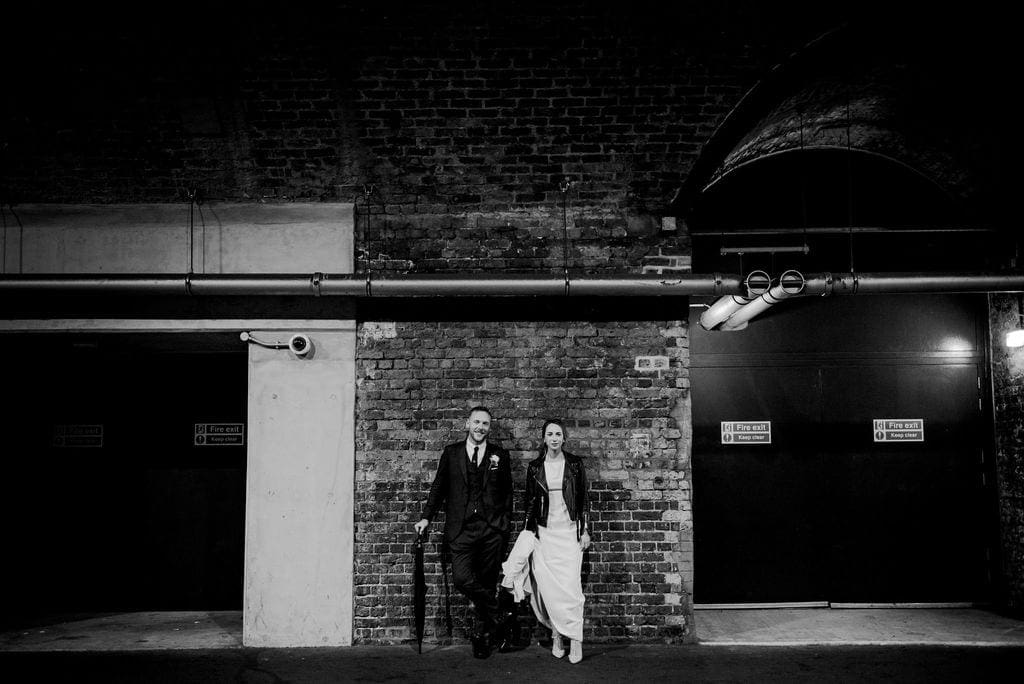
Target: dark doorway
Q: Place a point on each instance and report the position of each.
(112, 502)
(824, 512)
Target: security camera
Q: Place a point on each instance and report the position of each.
(300, 345)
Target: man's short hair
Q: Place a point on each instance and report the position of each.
(481, 408)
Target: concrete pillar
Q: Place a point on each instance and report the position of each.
(299, 491)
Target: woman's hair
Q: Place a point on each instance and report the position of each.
(544, 431)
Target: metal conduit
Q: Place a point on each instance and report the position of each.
(826, 284)
(506, 285)
(361, 285)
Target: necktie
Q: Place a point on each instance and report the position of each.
(475, 451)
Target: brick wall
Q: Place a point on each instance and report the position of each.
(444, 106)
(1008, 397)
(415, 384)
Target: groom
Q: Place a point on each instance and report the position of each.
(474, 483)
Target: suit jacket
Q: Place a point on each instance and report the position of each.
(451, 488)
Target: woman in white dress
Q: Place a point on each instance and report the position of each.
(556, 511)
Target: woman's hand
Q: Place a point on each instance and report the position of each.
(585, 541)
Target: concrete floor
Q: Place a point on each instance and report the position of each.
(862, 627)
(771, 627)
(146, 631)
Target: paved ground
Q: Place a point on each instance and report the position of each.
(862, 627)
(776, 627)
(932, 645)
(452, 664)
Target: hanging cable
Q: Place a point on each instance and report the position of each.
(202, 221)
(3, 244)
(21, 239)
(803, 181)
(849, 179)
(368, 190)
(191, 193)
(564, 188)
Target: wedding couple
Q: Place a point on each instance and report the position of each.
(474, 484)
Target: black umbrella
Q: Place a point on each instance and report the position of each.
(419, 596)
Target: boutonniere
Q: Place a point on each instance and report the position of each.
(494, 462)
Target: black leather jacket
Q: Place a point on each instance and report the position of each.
(574, 490)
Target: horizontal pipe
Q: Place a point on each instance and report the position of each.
(911, 283)
(802, 249)
(797, 231)
(678, 285)
(86, 284)
(467, 285)
(360, 285)
(510, 285)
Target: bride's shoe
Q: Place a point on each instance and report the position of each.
(557, 647)
(575, 651)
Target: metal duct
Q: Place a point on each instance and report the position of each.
(790, 283)
(756, 282)
(912, 283)
(470, 285)
(361, 285)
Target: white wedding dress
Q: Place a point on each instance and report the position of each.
(557, 563)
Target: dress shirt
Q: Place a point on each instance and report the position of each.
(480, 454)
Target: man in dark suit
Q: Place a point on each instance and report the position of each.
(474, 483)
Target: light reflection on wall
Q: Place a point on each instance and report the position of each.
(954, 343)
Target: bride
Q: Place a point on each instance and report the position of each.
(556, 512)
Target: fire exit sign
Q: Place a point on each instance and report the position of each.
(747, 432)
(219, 434)
(898, 429)
(67, 436)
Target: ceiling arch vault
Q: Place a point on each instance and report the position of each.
(867, 149)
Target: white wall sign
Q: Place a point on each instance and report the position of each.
(219, 434)
(898, 429)
(747, 432)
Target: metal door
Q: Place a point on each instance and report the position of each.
(825, 512)
(906, 515)
(759, 509)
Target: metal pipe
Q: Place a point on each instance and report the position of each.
(790, 283)
(756, 283)
(911, 283)
(469, 285)
(266, 284)
(678, 285)
(87, 284)
(361, 285)
(813, 230)
(802, 249)
(510, 285)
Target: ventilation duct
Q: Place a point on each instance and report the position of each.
(790, 283)
(756, 284)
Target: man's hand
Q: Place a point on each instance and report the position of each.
(421, 526)
(585, 541)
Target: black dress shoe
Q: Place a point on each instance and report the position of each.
(481, 646)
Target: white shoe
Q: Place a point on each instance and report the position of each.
(575, 651)
(557, 647)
